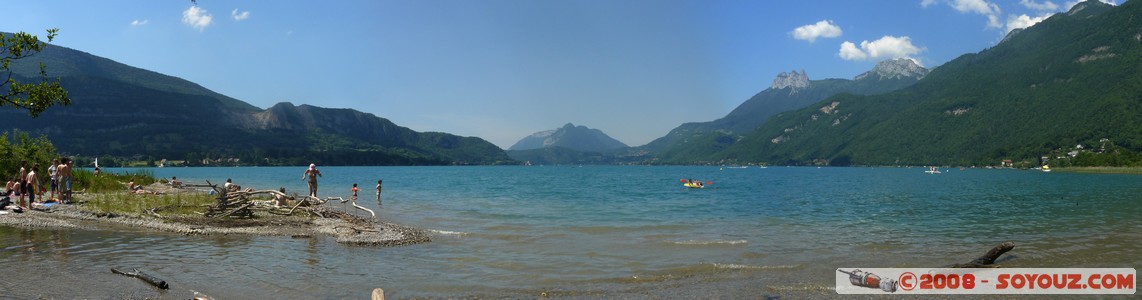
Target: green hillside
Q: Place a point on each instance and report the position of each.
(134, 114)
(66, 62)
(1075, 78)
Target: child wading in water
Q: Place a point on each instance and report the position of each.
(354, 198)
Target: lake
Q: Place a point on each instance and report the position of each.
(605, 231)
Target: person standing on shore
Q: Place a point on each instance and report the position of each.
(32, 185)
(53, 174)
(65, 179)
(312, 173)
(23, 182)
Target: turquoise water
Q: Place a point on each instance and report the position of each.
(523, 230)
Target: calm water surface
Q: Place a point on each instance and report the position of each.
(523, 230)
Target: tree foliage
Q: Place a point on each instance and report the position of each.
(17, 146)
(35, 97)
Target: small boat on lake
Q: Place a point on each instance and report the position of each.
(933, 170)
(694, 184)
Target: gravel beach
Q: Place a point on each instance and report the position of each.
(345, 228)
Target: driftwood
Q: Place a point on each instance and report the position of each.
(988, 259)
(239, 203)
(354, 200)
(870, 280)
(155, 281)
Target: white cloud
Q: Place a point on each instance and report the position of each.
(883, 48)
(140, 22)
(196, 17)
(981, 7)
(849, 51)
(1023, 21)
(824, 28)
(240, 16)
(1045, 6)
(975, 6)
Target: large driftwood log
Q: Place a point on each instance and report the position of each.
(988, 259)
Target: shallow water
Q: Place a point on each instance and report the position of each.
(524, 230)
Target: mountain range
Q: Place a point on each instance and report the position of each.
(1043, 92)
(123, 111)
(1073, 79)
(690, 142)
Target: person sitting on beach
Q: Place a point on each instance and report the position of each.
(131, 187)
(281, 198)
(175, 183)
(231, 187)
(19, 187)
(11, 188)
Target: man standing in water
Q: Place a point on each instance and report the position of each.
(312, 173)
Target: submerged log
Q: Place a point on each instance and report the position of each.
(988, 259)
(155, 281)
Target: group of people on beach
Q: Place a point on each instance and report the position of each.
(26, 184)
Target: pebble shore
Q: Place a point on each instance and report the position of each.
(346, 228)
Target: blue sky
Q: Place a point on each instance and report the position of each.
(503, 69)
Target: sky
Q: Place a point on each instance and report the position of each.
(504, 69)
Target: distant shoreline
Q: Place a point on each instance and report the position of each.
(1101, 170)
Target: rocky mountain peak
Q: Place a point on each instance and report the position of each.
(795, 81)
(899, 68)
